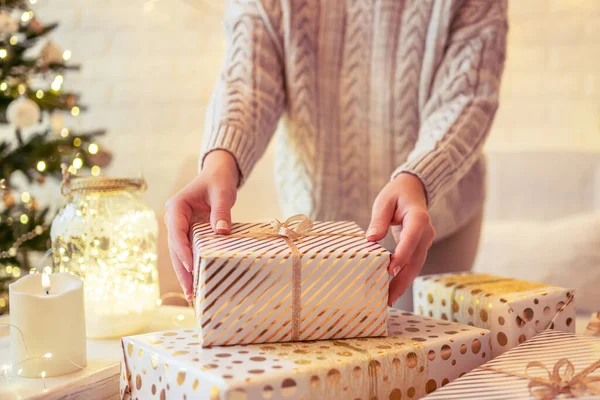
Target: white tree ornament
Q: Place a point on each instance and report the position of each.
(23, 112)
(8, 24)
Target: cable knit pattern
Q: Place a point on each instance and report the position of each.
(370, 89)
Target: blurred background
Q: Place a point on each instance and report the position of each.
(148, 68)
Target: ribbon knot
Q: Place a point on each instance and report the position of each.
(292, 228)
(559, 381)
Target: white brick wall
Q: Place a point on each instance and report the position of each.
(148, 75)
(550, 94)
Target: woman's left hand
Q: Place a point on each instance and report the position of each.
(402, 204)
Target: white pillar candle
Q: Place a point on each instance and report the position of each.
(49, 314)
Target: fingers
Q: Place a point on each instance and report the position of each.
(221, 200)
(212, 191)
(408, 274)
(381, 217)
(414, 225)
(177, 220)
(183, 275)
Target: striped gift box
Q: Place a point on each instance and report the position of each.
(551, 365)
(282, 282)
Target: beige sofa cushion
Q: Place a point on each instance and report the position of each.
(564, 252)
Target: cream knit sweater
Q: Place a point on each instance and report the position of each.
(368, 89)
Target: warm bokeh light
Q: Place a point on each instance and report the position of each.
(57, 83)
(26, 16)
(93, 148)
(41, 166)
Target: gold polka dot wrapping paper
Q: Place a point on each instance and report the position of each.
(529, 371)
(512, 309)
(288, 281)
(419, 355)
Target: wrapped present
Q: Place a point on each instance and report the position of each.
(289, 281)
(593, 327)
(549, 366)
(419, 355)
(513, 310)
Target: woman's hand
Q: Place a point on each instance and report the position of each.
(212, 191)
(403, 204)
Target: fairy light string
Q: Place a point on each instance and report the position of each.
(7, 369)
(12, 251)
(46, 356)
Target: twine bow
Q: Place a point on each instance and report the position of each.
(292, 228)
(558, 381)
(593, 327)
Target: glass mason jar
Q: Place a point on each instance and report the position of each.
(108, 236)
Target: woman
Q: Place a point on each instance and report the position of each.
(387, 105)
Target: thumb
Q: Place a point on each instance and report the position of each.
(381, 217)
(221, 200)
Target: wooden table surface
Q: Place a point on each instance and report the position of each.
(99, 380)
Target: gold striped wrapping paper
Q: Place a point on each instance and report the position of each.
(419, 355)
(548, 347)
(512, 309)
(243, 286)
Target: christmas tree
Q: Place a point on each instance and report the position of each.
(32, 105)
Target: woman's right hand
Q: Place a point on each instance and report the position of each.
(212, 192)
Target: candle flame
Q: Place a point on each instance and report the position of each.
(46, 282)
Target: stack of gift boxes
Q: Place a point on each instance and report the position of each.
(299, 311)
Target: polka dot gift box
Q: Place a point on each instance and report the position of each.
(418, 356)
(289, 281)
(513, 310)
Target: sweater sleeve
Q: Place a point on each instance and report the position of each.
(456, 117)
(249, 96)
